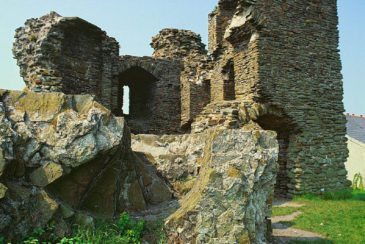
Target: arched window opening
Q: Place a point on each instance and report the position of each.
(137, 96)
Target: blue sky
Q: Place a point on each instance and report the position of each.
(133, 23)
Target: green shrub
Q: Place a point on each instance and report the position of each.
(72, 240)
(35, 236)
(358, 182)
(124, 230)
(130, 229)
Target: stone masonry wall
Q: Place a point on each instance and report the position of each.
(67, 55)
(164, 98)
(73, 56)
(187, 47)
(308, 86)
(293, 65)
(219, 19)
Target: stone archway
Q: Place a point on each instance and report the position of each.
(286, 131)
(141, 98)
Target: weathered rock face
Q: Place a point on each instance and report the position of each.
(65, 155)
(230, 199)
(65, 158)
(176, 157)
(224, 179)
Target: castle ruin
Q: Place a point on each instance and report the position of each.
(271, 65)
(278, 58)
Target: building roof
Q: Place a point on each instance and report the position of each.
(356, 127)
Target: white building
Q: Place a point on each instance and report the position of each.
(356, 145)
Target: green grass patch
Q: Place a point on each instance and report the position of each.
(282, 211)
(312, 242)
(125, 231)
(338, 216)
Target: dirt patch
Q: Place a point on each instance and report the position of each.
(285, 218)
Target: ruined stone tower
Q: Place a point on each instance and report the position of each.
(272, 63)
(283, 56)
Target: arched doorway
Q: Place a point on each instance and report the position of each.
(137, 96)
(285, 130)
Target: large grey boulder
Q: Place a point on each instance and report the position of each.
(230, 200)
(66, 156)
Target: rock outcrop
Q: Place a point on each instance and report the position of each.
(225, 181)
(230, 199)
(67, 158)
(176, 157)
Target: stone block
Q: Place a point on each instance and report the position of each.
(46, 174)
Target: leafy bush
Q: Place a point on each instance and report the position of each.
(72, 240)
(130, 229)
(124, 230)
(35, 236)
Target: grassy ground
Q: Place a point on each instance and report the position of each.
(281, 211)
(340, 217)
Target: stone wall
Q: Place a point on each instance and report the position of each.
(293, 65)
(66, 54)
(73, 56)
(219, 20)
(308, 87)
(187, 47)
(155, 96)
